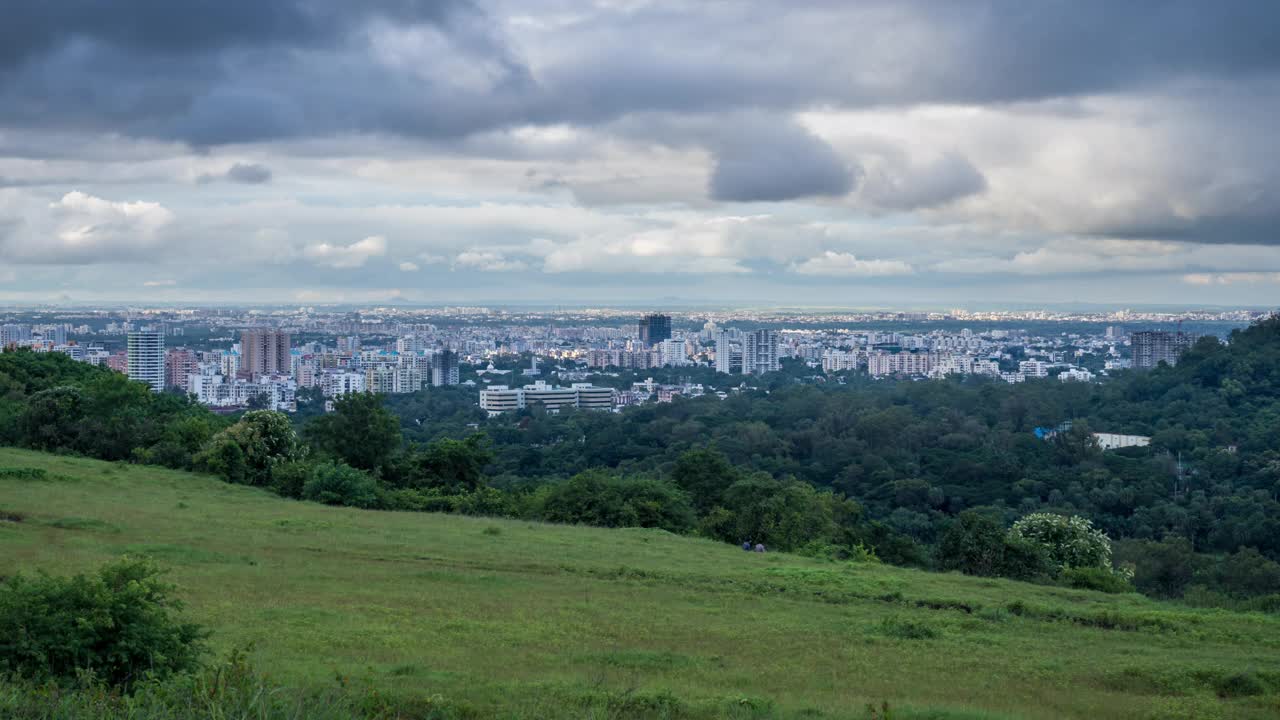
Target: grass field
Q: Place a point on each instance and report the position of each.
(508, 618)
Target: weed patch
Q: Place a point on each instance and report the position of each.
(646, 660)
(23, 473)
(79, 523)
(908, 629)
(178, 554)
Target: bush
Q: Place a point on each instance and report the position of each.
(974, 544)
(1095, 579)
(337, 484)
(1069, 541)
(120, 624)
(596, 497)
(229, 689)
(289, 478)
(24, 473)
(249, 451)
(908, 629)
(1024, 560)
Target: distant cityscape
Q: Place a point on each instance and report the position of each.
(232, 359)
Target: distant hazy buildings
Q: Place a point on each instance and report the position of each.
(654, 329)
(264, 352)
(1152, 347)
(146, 358)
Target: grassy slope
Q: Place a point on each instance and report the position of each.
(513, 615)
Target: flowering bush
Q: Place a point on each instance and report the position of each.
(1071, 542)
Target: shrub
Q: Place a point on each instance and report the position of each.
(248, 451)
(120, 624)
(596, 497)
(1024, 560)
(1238, 685)
(1069, 541)
(907, 629)
(24, 473)
(1098, 579)
(974, 544)
(289, 478)
(338, 484)
(838, 553)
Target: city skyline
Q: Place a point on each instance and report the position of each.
(455, 152)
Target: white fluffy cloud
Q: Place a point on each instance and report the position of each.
(488, 261)
(79, 228)
(847, 265)
(346, 256)
(1232, 278)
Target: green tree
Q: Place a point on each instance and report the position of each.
(360, 431)
(249, 450)
(1161, 569)
(454, 466)
(52, 418)
(339, 484)
(705, 473)
(596, 497)
(120, 623)
(783, 514)
(1068, 541)
(974, 544)
(1245, 573)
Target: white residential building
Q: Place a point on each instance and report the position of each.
(1033, 368)
(498, 399)
(1076, 375)
(146, 358)
(340, 382)
(760, 353)
(672, 353)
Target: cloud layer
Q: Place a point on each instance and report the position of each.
(684, 149)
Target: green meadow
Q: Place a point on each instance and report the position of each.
(506, 618)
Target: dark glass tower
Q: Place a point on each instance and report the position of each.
(654, 329)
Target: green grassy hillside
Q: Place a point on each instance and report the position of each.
(516, 619)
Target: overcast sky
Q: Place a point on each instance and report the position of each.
(892, 153)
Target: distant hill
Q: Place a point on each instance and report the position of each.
(517, 619)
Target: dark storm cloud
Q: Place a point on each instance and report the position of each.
(758, 162)
(245, 70)
(947, 179)
(190, 27)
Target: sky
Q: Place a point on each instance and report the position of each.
(887, 153)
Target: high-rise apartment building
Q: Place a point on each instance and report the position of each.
(180, 365)
(654, 329)
(672, 353)
(1152, 347)
(146, 358)
(264, 352)
(444, 368)
(14, 334)
(760, 353)
(729, 355)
